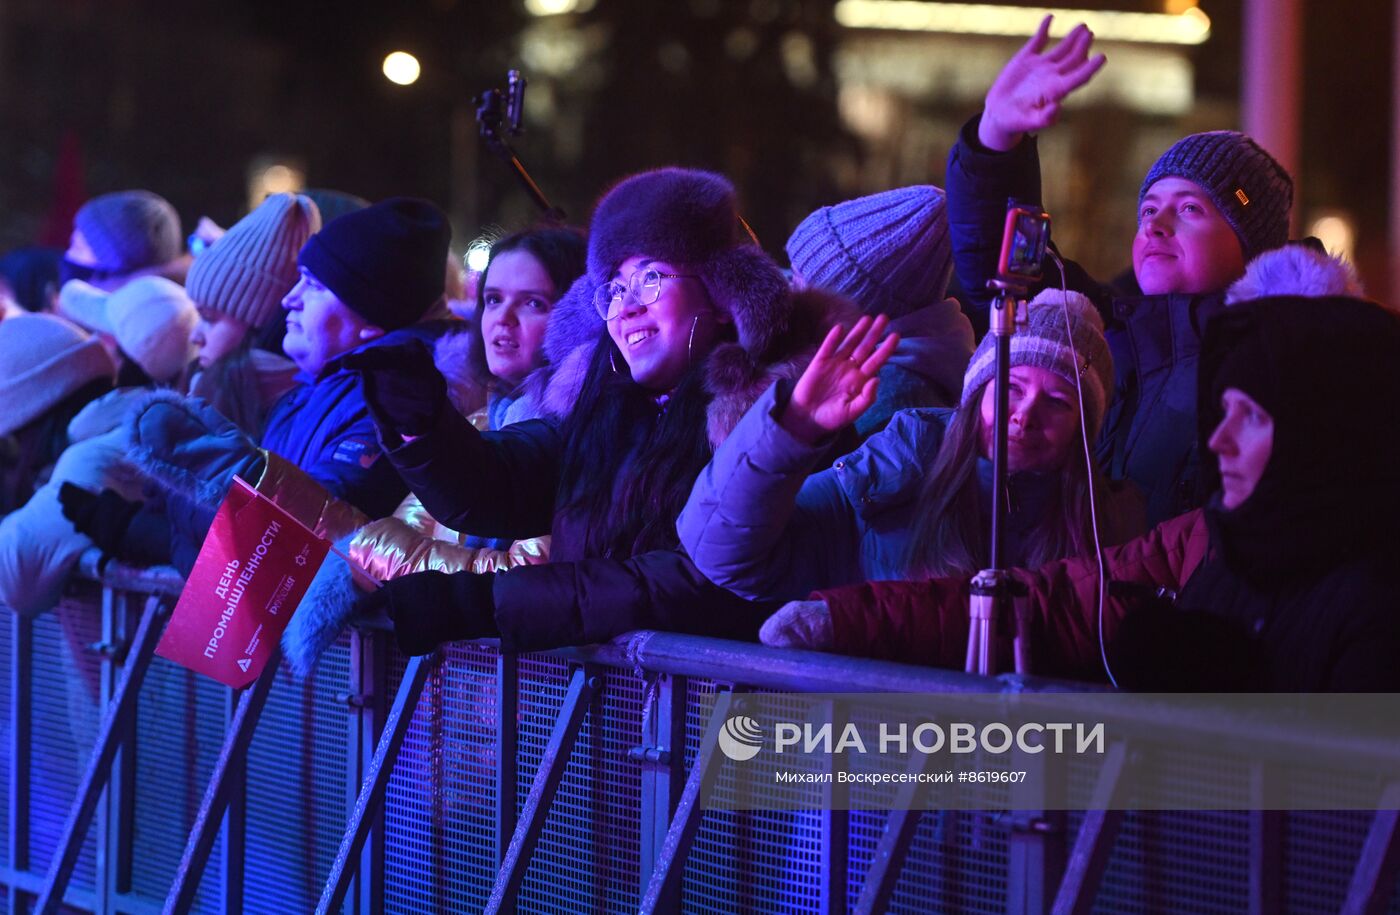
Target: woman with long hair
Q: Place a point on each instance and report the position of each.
(685, 320)
(914, 500)
(238, 285)
(1284, 581)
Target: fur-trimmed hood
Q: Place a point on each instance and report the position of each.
(1296, 269)
(735, 379)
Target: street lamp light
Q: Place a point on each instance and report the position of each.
(402, 68)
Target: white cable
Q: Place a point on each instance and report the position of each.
(1088, 467)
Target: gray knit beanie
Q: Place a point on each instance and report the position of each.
(889, 252)
(1247, 185)
(43, 359)
(248, 271)
(130, 230)
(1043, 342)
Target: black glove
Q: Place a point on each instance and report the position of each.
(103, 517)
(403, 388)
(430, 608)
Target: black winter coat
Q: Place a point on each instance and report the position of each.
(505, 484)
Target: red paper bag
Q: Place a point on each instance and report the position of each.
(252, 572)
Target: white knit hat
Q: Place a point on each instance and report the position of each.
(151, 318)
(1044, 342)
(43, 359)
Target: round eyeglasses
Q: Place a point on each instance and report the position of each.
(644, 285)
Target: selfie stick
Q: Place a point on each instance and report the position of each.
(993, 588)
(489, 118)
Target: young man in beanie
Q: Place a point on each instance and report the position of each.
(890, 253)
(366, 280)
(1210, 204)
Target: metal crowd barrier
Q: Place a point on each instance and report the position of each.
(556, 782)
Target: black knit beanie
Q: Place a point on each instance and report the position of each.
(1246, 184)
(386, 262)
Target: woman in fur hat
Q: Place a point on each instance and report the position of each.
(680, 321)
(914, 500)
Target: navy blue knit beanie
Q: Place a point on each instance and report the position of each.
(1246, 184)
(386, 262)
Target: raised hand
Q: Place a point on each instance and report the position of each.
(1027, 93)
(839, 384)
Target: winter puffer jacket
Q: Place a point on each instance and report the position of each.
(410, 540)
(1298, 575)
(757, 524)
(323, 426)
(39, 546)
(1149, 431)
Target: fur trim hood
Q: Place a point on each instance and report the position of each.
(1296, 269)
(736, 379)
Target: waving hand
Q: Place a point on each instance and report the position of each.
(839, 384)
(1027, 93)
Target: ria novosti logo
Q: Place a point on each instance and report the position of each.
(741, 738)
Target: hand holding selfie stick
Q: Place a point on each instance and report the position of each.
(489, 119)
(993, 589)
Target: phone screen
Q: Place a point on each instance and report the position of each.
(1023, 244)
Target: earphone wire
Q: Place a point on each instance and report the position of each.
(1089, 467)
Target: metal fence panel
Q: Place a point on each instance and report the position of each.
(439, 816)
(179, 728)
(588, 856)
(67, 709)
(297, 787)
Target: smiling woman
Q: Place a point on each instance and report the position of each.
(680, 322)
(660, 317)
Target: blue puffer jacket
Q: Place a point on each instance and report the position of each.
(323, 427)
(1149, 430)
(758, 525)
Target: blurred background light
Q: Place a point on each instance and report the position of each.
(402, 68)
(1191, 26)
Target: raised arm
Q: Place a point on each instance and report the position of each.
(1027, 93)
(994, 160)
(494, 484)
(755, 523)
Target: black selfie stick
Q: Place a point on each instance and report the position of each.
(993, 589)
(489, 119)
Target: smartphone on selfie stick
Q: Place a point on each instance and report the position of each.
(496, 110)
(1019, 267)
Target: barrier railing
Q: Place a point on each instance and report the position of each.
(562, 781)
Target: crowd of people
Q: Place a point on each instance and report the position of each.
(651, 424)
